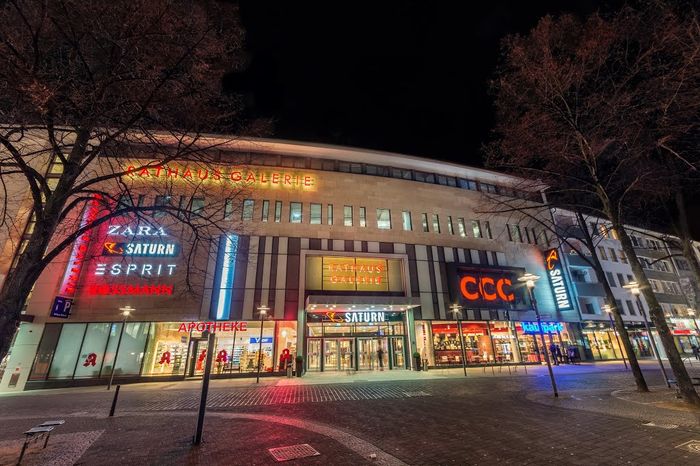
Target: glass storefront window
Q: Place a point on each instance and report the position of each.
(242, 355)
(446, 344)
(504, 342)
(286, 340)
(166, 351)
(64, 360)
(424, 342)
(602, 341)
(45, 352)
(93, 350)
(131, 349)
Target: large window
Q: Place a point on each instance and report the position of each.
(347, 215)
(248, 206)
(450, 227)
(363, 217)
(265, 211)
(92, 350)
(476, 228)
(228, 209)
(406, 220)
(67, 351)
(278, 211)
(487, 231)
(295, 212)
(384, 219)
(329, 214)
(315, 214)
(166, 350)
(436, 223)
(461, 227)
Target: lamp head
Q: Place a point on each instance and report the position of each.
(529, 279)
(633, 287)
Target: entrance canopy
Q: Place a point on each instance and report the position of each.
(320, 303)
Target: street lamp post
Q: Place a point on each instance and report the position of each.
(529, 280)
(608, 310)
(126, 312)
(263, 311)
(633, 288)
(457, 312)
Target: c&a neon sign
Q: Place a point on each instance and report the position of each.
(487, 288)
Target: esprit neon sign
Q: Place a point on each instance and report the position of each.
(233, 175)
(555, 272)
(129, 268)
(487, 288)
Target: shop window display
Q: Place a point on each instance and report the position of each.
(504, 342)
(66, 354)
(166, 351)
(477, 344)
(286, 340)
(237, 350)
(93, 350)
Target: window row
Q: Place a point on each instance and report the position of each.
(664, 286)
(660, 265)
(615, 255)
(518, 234)
(384, 171)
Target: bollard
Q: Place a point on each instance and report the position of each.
(114, 401)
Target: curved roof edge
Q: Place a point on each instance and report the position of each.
(360, 155)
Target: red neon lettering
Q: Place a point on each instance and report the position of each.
(488, 296)
(187, 173)
(191, 326)
(173, 173)
(465, 291)
(250, 178)
(236, 176)
(216, 175)
(308, 181)
(144, 172)
(243, 326)
(182, 328)
(287, 179)
(158, 170)
(275, 178)
(502, 293)
(201, 326)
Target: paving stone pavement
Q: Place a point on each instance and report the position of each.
(463, 421)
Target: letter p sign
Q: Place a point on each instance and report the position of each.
(61, 307)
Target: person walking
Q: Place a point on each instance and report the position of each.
(696, 351)
(380, 356)
(553, 352)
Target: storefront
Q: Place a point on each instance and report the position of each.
(356, 340)
(169, 350)
(601, 341)
(496, 342)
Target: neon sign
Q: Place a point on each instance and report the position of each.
(130, 290)
(213, 326)
(141, 230)
(365, 317)
(484, 287)
(110, 248)
(151, 270)
(555, 272)
(79, 251)
(547, 327)
(232, 175)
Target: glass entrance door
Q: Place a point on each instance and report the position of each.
(367, 353)
(313, 354)
(346, 355)
(330, 355)
(398, 353)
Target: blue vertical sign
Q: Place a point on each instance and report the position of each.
(222, 291)
(555, 273)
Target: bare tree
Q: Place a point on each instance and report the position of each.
(577, 104)
(570, 234)
(87, 86)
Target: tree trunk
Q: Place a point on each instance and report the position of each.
(17, 287)
(685, 384)
(610, 298)
(683, 230)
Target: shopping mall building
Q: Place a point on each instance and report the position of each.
(360, 256)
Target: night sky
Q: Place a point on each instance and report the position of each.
(404, 77)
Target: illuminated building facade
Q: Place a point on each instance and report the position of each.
(359, 256)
